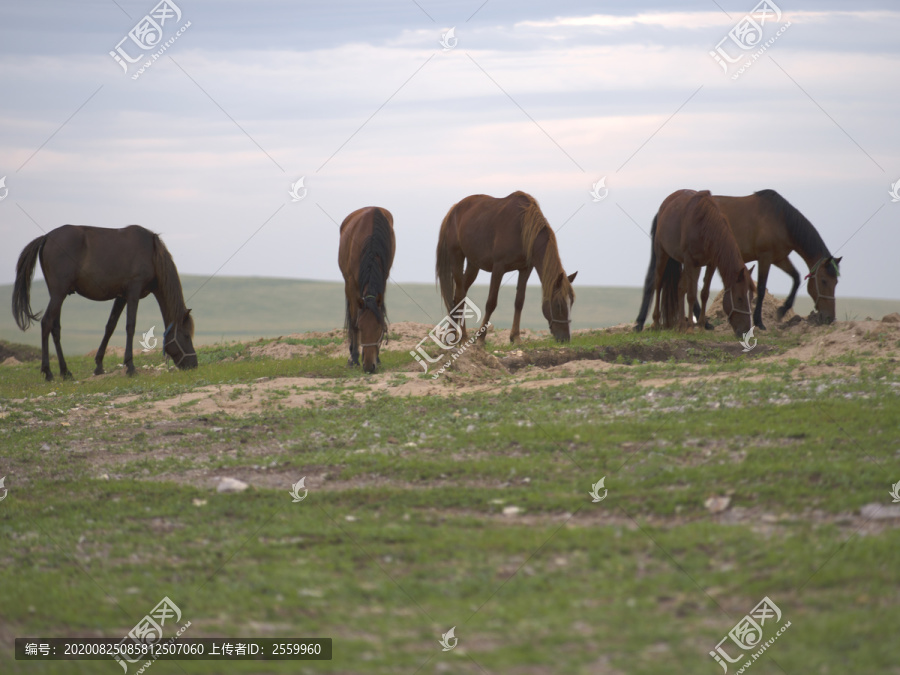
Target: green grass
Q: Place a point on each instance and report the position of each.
(402, 534)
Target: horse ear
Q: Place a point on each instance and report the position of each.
(838, 260)
(572, 277)
(750, 270)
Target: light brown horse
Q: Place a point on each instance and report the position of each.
(104, 264)
(365, 256)
(499, 235)
(690, 230)
(767, 228)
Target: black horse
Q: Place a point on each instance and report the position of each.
(104, 264)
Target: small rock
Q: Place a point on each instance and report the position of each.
(198, 502)
(470, 428)
(880, 511)
(231, 485)
(104, 476)
(717, 504)
(511, 510)
(350, 519)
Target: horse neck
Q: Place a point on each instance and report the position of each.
(171, 309)
(168, 291)
(539, 255)
(730, 262)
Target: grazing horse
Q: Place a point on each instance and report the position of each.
(499, 235)
(365, 257)
(690, 230)
(104, 264)
(767, 228)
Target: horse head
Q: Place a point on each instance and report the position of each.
(822, 281)
(558, 309)
(736, 302)
(371, 322)
(178, 341)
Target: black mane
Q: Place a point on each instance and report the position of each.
(373, 264)
(805, 238)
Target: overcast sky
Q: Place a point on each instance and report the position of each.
(362, 100)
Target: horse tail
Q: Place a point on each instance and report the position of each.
(21, 299)
(648, 282)
(668, 292)
(443, 269)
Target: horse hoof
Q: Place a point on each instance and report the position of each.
(98, 370)
(708, 326)
(760, 326)
(48, 377)
(638, 327)
(781, 312)
(67, 376)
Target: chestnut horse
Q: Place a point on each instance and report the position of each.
(767, 228)
(104, 264)
(365, 257)
(690, 230)
(499, 235)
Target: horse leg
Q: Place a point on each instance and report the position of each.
(354, 340)
(491, 305)
(690, 274)
(462, 282)
(788, 267)
(662, 259)
(118, 306)
(704, 297)
(48, 323)
(764, 264)
(520, 303)
(130, 324)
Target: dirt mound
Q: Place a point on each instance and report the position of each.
(280, 350)
(19, 352)
(716, 313)
(116, 352)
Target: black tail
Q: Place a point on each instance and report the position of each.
(648, 282)
(670, 313)
(21, 299)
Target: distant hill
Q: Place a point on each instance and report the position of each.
(244, 308)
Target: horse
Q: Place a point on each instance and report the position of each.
(365, 256)
(767, 228)
(500, 235)
(122, 265)
(690, 230)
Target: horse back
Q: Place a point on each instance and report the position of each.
(489, 230)
(97, 262)
(756, 234)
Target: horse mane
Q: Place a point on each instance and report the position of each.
(804, 236)
(168, 286)
(376, 251)
(703, 211)
(533, 224)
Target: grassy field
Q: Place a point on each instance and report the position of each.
(464, 502)
(242, 308)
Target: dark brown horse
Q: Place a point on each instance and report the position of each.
(767, 228)
(499, 235)
(365, 256)
(689, 230)
(104, 264)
